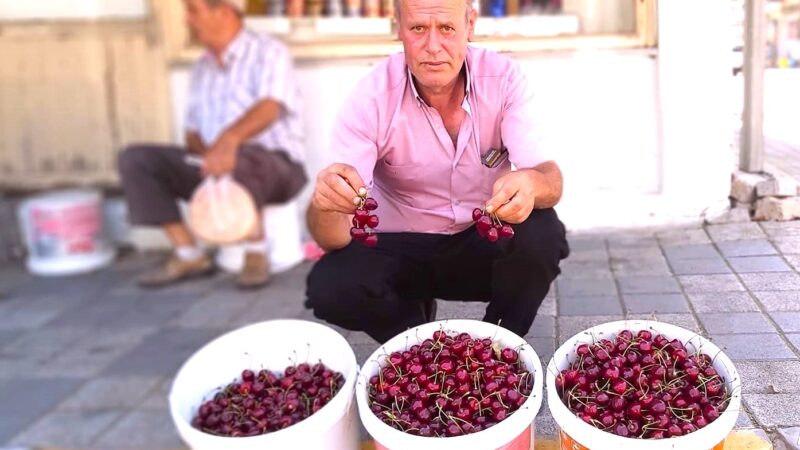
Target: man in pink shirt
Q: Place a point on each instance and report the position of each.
(417, 134)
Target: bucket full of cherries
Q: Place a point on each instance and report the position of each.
(274, 384)
(451, 385)
(642, 385)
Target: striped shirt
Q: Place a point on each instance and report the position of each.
(255, 67)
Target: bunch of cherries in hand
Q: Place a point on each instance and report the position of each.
(490, 227)
(364, 223)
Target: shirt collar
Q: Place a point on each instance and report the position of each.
(233, 51)
(421, 102)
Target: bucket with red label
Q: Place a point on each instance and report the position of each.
(64, 232)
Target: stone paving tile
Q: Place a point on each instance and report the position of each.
(765, 377)
(779, 229)
(90, 356)
(794, 260)
(543, 326)
(648, 285)
(125, 312)
(584, 243)
(589, 305)
(585, 269)
(214, 312)
(795, 340)
(774, 410)
(681, 237)
(705, 266)
(108, 393)
(756, 247)
(743, 264)
(545, 424)
(26, 313)
(710, 283)
(756, 347)
(685, 321)
(643, 267)
(363, 351)
(544, 347)
(635, 253)
(743, 421)
(460, 310)
(127, 433)
(585, 287)
(791, 436)
(157, 397)
(548, 307)
(655, 303)
(789, 322)
(572, 325)
(45, 342)
(732, 323)
(788, 245)
(779, 300)
(599, 254)
(632, 240)
(705, 302)
(771, 281)
(24, 400)
(699, 251)
(161, 353)
(72, 429)
(735, 232)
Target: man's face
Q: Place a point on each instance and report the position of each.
(203, 21)
(435, 35)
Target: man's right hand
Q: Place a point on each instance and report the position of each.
(337, 189)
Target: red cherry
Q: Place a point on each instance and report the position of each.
(506, 231)
(371, 240)
(372, 221)
(358, 234)
(477, 213)
(370, 204)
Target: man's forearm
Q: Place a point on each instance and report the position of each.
(330, 230)
(194, 143)
(548, 181)
(257, 119)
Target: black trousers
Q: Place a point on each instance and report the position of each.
(379, 290)
(155, 176)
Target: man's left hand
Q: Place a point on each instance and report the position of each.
(220, 158)
(513, 196)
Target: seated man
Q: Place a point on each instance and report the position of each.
(243, 118)
(418, 134)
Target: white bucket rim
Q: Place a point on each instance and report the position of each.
(584, 434)
(520, 420)
(325, 418)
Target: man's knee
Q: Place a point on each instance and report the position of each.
(541, 239)
(133, 159)
(331, 293)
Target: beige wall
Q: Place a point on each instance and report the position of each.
(72, 93)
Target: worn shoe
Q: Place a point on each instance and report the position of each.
(255, 272)
(175, 270)
(429, 309)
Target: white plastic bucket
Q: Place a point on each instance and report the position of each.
(270, 345)
(516, 432)
(64, 232)
(575, 434)
(282, 229)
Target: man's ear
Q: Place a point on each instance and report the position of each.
(472, 16)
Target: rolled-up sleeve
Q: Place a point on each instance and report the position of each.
(523, 126)
(354, 138)
(276, 81)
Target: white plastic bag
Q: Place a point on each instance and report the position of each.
(222, 211)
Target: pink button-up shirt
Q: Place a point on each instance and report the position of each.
(401, 149)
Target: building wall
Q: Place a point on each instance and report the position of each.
(72, 94)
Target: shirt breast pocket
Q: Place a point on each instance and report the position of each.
(404, 180)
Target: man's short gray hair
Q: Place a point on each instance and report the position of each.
(397, 8)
